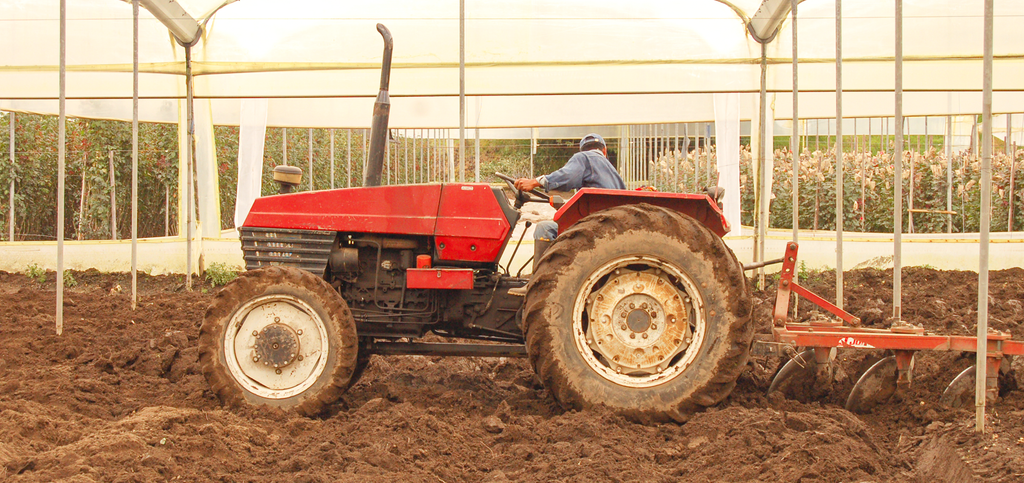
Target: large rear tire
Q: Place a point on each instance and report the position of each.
(641, 309)
(281, 337)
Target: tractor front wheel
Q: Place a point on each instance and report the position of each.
(641, 309)
(281, 337)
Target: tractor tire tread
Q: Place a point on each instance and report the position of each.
(542, 308)
(335, 381)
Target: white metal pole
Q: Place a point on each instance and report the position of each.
(462, 92)
(113, 196)
(10, 217)
(135, 154)
(675, 160)
(686, 145)
(190, 232)
(948, 147)
(981, 368)
(61, 154)
(332, 158)
(794, 137)
(449, 152)
(533, 141)
(707, 166)
(310, 157)
(348, 158)
(762, 181)
(839, 154)
(1009, 155)
(897, 212)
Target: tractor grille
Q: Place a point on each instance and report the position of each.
(305, 249)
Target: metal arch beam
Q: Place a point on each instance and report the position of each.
(765, 23)
(185, 29)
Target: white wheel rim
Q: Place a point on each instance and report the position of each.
(240, 346)
(645, 350)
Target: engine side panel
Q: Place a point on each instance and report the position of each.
(471, 226)
(591, 200)
(401, 209)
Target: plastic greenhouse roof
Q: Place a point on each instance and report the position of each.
(528, 63)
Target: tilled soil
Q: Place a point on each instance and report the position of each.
(119, 397)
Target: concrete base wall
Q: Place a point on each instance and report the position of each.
(817, 251)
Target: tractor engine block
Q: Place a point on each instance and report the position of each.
(369, 273)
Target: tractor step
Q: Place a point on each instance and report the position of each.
(446, 349)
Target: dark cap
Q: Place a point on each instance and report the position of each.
(591, 139)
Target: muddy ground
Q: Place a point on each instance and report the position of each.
(118, 397)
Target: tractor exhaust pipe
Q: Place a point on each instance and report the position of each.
(381, 109)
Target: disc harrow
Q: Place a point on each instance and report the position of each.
(820, 340)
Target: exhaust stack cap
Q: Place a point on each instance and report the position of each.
(287, 177)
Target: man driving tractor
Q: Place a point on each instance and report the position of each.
(589, 168)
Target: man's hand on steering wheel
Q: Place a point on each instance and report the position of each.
(527, 184)
(523, 195)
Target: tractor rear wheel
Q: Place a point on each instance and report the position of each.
(641, 309)
(281, 337)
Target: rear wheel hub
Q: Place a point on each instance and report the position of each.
(640, 322)
(277, 345)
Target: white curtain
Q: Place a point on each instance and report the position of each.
(252, 132)
(727, 132)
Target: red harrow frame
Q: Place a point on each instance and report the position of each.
(884, 378)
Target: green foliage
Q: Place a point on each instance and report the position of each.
(417, 156)
(805, 274)
(69, 279)
(89, 144)
(220, 274)
(869, 189)
(35, 272)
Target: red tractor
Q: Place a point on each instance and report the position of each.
(638, 305)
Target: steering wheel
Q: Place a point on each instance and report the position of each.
(534, 195)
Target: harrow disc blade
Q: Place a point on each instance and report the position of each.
(798, 379)
(875, 386)
(960, 392)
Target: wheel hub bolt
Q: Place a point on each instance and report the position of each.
(299, 357)
(632, 335)
(623, 327)
(654, 326)
(277, 371)
(654, 314)
(645, 335)
(255, 333)
(299, 331)
(632, 305)
(643, 306)
(256, 358)
(277, 320)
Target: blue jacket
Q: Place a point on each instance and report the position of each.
(585, 169)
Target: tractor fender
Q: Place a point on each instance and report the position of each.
(591, 200)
